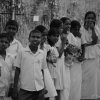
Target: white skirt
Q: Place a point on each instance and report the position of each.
(64, 94)
(76, 80)
(90, 79)
(60, 81)
(49, 84)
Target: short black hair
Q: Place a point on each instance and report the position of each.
(75, 23)
(12, 22)
(63, 19)
(34, 31)
(41, 28)
(55, 23)
(90, 12)
(53, 31)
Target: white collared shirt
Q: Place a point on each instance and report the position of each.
(92, 51)
(31, 66)
(14, 48)
(11, 53)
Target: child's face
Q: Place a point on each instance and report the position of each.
(76, 29)
(61, 28)
(11, 29)
(35, 39)
(4, 43)
(54, 38)
(67, 25)
(90, 17)
(90, 20)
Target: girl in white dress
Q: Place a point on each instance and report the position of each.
(66, 37)
(75, 68)
(62, 80)
(52, 54)
(90, 67)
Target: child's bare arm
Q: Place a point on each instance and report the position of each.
(17, 65)
(15, 88)
(16, 78)
(62, 45)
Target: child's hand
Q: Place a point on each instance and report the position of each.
(80, 59)
(64, 39)
(43, 92)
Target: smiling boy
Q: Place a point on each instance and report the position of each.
(29, 65)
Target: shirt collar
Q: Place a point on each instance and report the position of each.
(27, 49)
(14, 41)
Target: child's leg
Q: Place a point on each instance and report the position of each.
(58, 96)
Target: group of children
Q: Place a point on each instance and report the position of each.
(61, 63)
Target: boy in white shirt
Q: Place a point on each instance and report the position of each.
(4, 70)
(11, 29)
(30, 63)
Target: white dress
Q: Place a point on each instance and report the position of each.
(90, 68)
(53, 66)
(48, 74)
(76, 77)
(63, 82)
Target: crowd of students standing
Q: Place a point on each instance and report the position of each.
(59, 63)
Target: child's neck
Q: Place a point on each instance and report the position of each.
(52, 44)
(33, 48)
(11, 39)
(3, 53)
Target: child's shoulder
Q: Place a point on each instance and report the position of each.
(47, 46)
(16, 41)
(41, 51)
(58, 42)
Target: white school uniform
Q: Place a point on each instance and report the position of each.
(11, 53)
(63, 82)
(90, 67)
(31, 76)
(75, 76)
(4, 77)
(49, 82)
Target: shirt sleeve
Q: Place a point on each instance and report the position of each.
(20, 47)
(97, 30)
(83, 39)
(58, 44)
(18, 59)
(44, 63)
(73, 39)
(9, 60)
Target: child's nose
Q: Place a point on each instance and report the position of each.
(35, 38)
